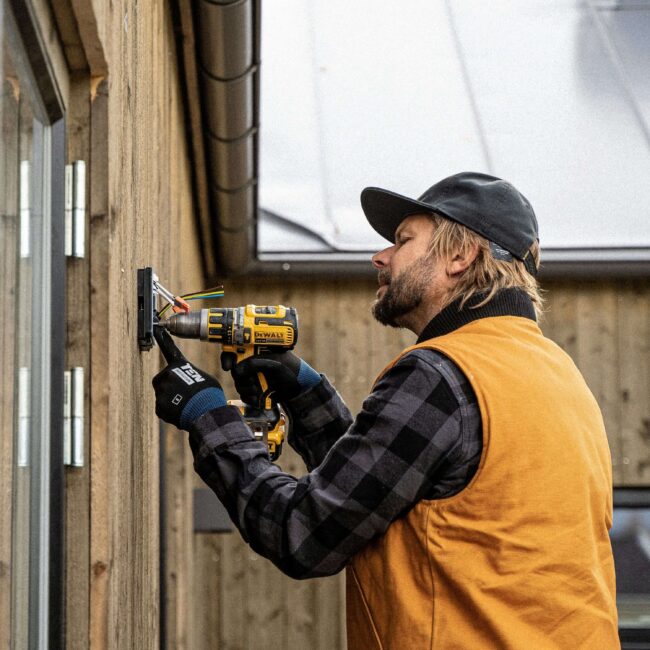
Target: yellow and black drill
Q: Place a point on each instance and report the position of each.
(244, 332)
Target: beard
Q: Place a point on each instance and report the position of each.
(404, 293)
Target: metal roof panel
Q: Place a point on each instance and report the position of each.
(400, 95)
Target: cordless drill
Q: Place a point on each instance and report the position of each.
(244, 332)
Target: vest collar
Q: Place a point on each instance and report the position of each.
(508, 302)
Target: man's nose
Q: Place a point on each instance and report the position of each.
(381, 259)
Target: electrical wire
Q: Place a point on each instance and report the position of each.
(206, 294)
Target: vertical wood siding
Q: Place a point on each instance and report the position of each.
(242, 602)
(77, 480)
(130, 130)
(9, 237)
(148, 220)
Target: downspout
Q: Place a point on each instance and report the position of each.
(228, 54)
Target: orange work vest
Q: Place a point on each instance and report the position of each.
(520, 558)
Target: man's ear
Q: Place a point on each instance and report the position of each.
(460, 261)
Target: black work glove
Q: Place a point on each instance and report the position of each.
(183, 391)
(286, 375)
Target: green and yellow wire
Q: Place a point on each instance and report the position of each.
(206, 294)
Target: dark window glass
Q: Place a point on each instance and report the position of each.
(630, 537)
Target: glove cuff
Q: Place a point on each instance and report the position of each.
(204, 401)
(307, 376)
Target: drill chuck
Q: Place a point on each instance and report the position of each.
(187, 326)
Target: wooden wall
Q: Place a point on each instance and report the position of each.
(127, 122)
(605, 327)
(241, 602)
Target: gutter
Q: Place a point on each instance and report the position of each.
(557, 264)
(227, 49)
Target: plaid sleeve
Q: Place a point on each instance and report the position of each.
(407, 440)
(319, 417)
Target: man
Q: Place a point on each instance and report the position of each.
(470, 499)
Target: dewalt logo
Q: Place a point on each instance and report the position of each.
(268, 336)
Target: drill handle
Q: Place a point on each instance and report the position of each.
(265, 400)
(228, 362)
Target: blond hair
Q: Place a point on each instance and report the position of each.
(486, 274)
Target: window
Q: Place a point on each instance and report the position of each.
(32, 279)
(630, 537)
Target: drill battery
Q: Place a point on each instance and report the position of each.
(267, 425)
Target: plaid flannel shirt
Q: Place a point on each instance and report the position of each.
(418, 436)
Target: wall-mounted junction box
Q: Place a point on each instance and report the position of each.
(146, 308)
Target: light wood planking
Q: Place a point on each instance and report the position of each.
(178, 541)
(559, 322)
(178, 473)
(9, 242)
(233, 623)
(266, 606)
(141, 213)
(77, 480)
(101, 558)
(601, 325)
(208, 555)
(597, 357)
(147, 161)
(634, 351)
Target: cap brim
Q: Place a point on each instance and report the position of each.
(385, 210)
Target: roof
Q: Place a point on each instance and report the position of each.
(553, 97)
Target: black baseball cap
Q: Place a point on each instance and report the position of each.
(485, 204)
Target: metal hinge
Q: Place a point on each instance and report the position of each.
(75, 209)
(73, 417)
(24, 208)
(24, 417)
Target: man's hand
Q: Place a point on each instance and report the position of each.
(183, 391)
(286, 375)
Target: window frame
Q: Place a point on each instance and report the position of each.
(46, 567)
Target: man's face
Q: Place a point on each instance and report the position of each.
(406, 274)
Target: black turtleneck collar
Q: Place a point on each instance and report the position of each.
(507, 302)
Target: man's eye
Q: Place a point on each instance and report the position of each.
(403, 240)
